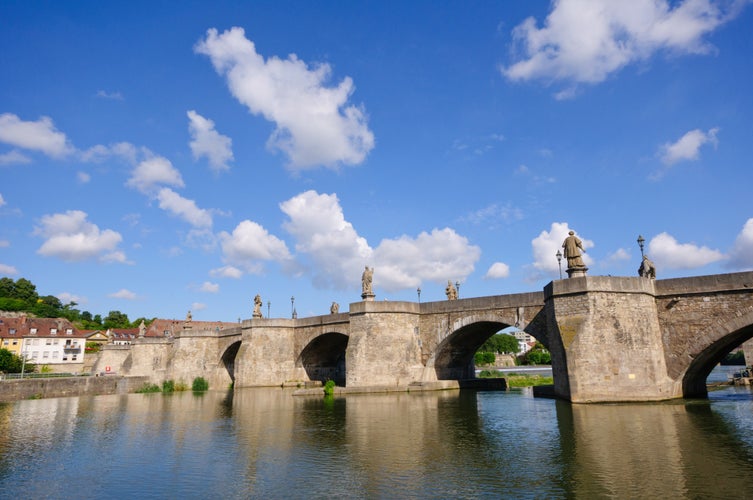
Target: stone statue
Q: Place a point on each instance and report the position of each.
(334, 308)
(451, 291)
(647, 269)
(573, 248)
(366, 279)
(257, 306)
(189, 317)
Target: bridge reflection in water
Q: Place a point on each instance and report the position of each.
(265, 443)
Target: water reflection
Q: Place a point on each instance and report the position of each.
(266, 443)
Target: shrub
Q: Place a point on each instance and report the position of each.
(147, 387)
(484, 358)
(329, 388)
(181, 386)
(200, 384)
(168, 386)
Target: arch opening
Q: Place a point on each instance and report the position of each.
(228, 359)
(694, 380)
(454, 356)
(324, 358)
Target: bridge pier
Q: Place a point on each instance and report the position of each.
(606, 341)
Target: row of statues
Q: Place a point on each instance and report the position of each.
(572, 246)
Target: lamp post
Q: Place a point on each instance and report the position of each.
(559, 261)
(457, 287)
(292, 307)
(23, 363)
(418, 291)
(640, 244)
(269, 305)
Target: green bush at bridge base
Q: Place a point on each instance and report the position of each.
(200, 384)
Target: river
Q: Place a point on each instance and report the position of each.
(267, 443)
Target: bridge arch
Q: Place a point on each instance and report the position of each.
(718, 343)
(453, 356)
(227, 360)
(323, 358)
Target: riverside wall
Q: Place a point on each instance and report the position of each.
(38, 388)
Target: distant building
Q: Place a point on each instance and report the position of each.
(54, 342)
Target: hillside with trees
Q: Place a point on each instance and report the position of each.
(21, 296)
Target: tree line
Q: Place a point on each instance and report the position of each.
(502, 343)
(21, 296)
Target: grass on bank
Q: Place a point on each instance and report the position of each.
(518, 379)
(200, 384)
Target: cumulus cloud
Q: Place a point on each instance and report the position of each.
(741, 255)
(315, 125)
(498, 270)
(583, 41)
(7, 270)
(152, 172)
(209, 287)
(14, 157)
(226, 272)
(40, 135)
(250, 245)
(71, 237)
(67, 298)
(124, 294)
(494, 213)
(687, 147)
(83, 177)
(115, 96)
(207, 142)
(339, 254)
(2, 200)
(184, 208)
(667, 253)
(546, 245)
(198, 306)
(123, 150)
(406, 262)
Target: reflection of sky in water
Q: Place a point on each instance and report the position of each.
(268, 444)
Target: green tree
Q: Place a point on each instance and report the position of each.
(116, 319)
(500, 343)
(7, 287)
(10, 304)
(538, 355)
(12, 363)
(25, 290)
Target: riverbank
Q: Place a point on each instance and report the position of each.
(42, 388)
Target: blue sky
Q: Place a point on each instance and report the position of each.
(160, 157)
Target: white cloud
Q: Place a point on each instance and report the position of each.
(584, 41)
(546, 245)
(314, 124)
(14, 157)
(40, 135)
(688, 146)
(198, 306)
(67, 298)
(209, 287)
(667, 253)
(406, 262)
(206, 141)
(226, 272)
(123, 150)
(7, 270)
(2, 200)
(116, 96)
(339, 254)
(124, 294)
(152, 172)
(4, 243)
(249, 245)
(71, 237)
(498, 270)
(494, 213)
(741, 255)
(83, 177)
(619, 255)
(184, 208)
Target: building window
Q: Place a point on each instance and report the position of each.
(15, 342)
(55, 342)
(73, 358)
(69, 331)
(65, 357)
(53, 331)
(12, 331)
(46, 354)
(5, 342)
(35, 355)
(33, 331)
(54, 355)
(48, 341)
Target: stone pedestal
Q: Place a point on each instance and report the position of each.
(576, 272)
(368, 297)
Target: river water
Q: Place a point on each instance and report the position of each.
(267, 443)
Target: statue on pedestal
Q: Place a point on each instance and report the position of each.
(257, 306)
(647, 269)
(451, 291)
(573, 248)
(334, 308)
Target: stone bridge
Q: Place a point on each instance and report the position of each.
(611, 339)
